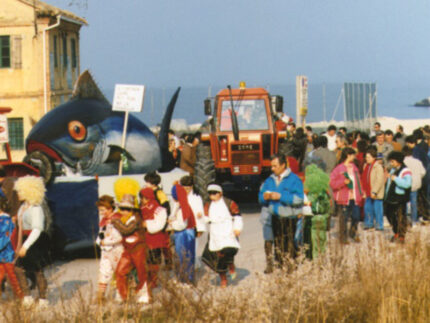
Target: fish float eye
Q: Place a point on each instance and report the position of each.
(77, 130)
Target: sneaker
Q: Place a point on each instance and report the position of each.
(143, 299)
(424, 221)
(27, 301)
(233, 275)
(117, 297)
(43, 303)
(143, 295)
(232, 271)
(369, 229)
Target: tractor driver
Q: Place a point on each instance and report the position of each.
(245, 118)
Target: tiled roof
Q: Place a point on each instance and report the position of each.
(43, 9)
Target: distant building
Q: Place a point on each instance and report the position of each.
(39, 63)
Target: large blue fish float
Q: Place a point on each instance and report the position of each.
(85, 135)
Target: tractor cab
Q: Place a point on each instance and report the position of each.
(242, 137)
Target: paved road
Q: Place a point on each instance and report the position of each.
(69, 279)
(74, 278)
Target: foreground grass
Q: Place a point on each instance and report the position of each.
(374, 281)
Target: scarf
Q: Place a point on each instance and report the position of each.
(179, 194)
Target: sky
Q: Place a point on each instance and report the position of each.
(167, 43)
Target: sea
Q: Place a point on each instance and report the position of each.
(325, 102)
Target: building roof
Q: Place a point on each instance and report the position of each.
(46, 10)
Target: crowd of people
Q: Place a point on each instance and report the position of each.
(350, 175)
(353, 176)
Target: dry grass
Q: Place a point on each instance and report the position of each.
(374, 281)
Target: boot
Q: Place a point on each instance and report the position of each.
(268, 250)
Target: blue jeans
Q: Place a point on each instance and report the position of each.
(374, 212)
(266, 220)
(185, 247)
(414, 207)
(298, 236)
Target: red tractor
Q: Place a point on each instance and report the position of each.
(239, 138)
(13, 169)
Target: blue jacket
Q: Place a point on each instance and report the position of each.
(398, 190)
(291, 190)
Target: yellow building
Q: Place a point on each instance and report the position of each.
(39, 63)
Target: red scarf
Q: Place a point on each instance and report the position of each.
(187, 212)
(149, 209)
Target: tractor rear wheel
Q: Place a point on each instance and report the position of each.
(43, 163)
(204, 171)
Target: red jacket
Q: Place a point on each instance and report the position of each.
(158, 239)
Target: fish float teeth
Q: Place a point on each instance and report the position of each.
(86, 88)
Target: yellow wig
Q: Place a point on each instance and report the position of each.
(30, 189)
(126, 185)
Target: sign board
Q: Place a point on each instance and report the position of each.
(4, 132)
(301, 98)
(128, 98)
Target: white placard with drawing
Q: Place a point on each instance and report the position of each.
(128, 98)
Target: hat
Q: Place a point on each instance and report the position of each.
(148, 193)
(214, 188)
(127, 201)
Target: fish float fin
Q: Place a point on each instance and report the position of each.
(115, 153)
(163, 136)
(87, 88)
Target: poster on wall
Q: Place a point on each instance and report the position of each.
(4, 133)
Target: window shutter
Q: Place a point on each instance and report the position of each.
(16, 52)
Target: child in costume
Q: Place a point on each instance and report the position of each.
(225, 227)
(153, 181)
(109, 240)
(6, 250)
(316, 210)
(33, 241)
(183, 224)
(154, 220)
(196, 203)
(129, 223)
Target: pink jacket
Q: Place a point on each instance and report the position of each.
(340, 189)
